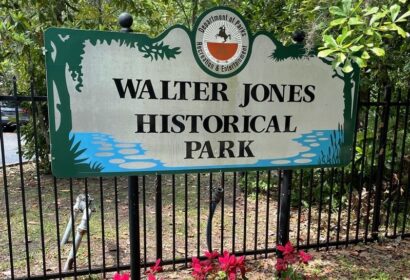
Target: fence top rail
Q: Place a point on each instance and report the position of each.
(22, 98)
(383, 103)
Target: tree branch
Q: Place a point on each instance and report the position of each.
(71, 6)
(194, 11)
(181, 5)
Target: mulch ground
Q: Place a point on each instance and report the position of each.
(384, 260)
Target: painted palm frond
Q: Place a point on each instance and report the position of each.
(158, 50)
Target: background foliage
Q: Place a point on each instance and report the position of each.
(372, 33)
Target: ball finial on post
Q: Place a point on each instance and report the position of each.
(125, 20)
(298, 36)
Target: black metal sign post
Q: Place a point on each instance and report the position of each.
(286, 187)
(134, 224)
(125, 20)
(284, 207)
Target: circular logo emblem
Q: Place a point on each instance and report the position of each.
(221, 42)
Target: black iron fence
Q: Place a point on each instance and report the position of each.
(364, 201)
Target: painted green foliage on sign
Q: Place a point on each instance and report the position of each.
(65, 48)
(158, 50)
(297, 51)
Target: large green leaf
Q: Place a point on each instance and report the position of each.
(371, 11)
(378, 51)
(394, 12)
(399, 30)
(347, 68)
(347, 5)
(330, 41)
(361, 62)
(342, 37)
(325, 53)
(377, 17)
(365, 55)
(355, 21)
(356, 48)
(403, 17)
(338, 21)
(334, 10)
(340, 58)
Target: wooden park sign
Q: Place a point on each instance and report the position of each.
(214, 98)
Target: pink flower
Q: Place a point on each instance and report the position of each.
(290, 258)
(281, 265)
(206, 266)
(232, 275)
(118, 276)
(153, 270)
(151, 276)
(197, 269)
(240, 264)
(287, 249)
(227, 261)
(231, 265)
(305, 257)
(200, 269)
(211, 255)
(156, 267)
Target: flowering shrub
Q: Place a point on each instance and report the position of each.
(287, 267)
(153, 270)
(229, 267)
(150, 273)
(219, 267)
(117, 276)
